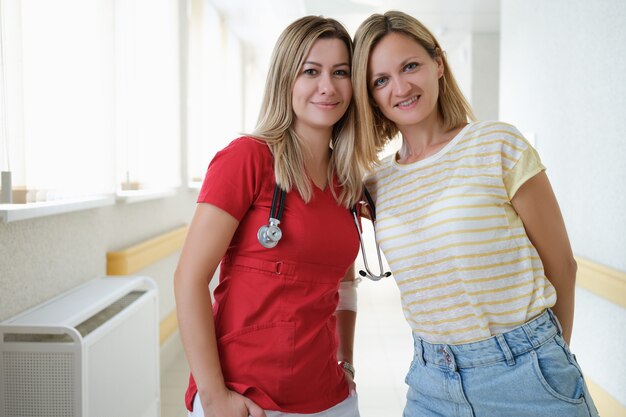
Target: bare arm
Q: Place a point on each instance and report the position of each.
(346, 320)
(536, 205)
(208, 238)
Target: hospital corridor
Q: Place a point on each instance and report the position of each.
(112, 110)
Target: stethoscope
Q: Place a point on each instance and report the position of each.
(270, 234)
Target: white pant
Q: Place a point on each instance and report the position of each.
(347, 408)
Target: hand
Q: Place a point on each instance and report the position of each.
(232, 404)
(351, 383)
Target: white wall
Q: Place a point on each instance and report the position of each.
(474, 60)
(43, 257)
(562, 80)
(485, 74)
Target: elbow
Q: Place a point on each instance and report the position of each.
(178, 281)
(573, 268)
(570, 269)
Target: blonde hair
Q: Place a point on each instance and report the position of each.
(373, 126)
(350, 157)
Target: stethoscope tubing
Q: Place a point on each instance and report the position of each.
(269, 235)
(369, 203)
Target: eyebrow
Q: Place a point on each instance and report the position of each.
(402, 64)
(320, 65)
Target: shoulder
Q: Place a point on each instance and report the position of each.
(500, 134)
(248, 145)
(382, 167)
(245, 149)
(381, 170)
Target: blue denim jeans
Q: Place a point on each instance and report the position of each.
(526, 372)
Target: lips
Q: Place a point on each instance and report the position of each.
(407, 103)
(326, 105)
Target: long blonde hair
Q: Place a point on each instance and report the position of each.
(373, 126)
(350, 156)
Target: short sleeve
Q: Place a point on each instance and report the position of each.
(233, 179)
(527, 164)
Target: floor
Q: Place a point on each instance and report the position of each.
(383, 352)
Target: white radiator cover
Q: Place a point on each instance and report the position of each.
(90, 352)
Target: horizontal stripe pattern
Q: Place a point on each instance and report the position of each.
(465, 270)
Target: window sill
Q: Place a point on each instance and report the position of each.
(136, 196)
(15, 212)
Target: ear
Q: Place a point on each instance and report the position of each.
(440, 67)
(439, 60)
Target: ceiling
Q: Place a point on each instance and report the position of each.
(258, 23)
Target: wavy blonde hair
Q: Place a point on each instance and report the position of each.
(373, 126)
(350, 157)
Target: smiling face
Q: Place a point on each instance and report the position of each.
(403, 80)
(322, 90)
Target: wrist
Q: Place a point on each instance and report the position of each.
(348, 367)
(214, 395)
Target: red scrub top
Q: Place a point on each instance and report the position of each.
(274, 308)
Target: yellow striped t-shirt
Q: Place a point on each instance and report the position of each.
(459, 253)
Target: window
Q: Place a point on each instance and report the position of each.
(215, 88)
(59, 90)
(90, 96)
(147, 94)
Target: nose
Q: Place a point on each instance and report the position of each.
(327, 85)
(400, 86)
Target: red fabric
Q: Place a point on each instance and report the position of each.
(274, 308)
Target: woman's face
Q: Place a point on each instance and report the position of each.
(404, 80)
(323, 90)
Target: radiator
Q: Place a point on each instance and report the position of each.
(92, 352)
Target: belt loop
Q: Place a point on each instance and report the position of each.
(555, 320)
(504, 346)
(530, 335)
(419, 350)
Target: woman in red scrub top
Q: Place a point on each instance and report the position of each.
(278, 339)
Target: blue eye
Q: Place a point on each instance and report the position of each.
(379, 82)
(410, 67)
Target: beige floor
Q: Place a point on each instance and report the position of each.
(383, 351)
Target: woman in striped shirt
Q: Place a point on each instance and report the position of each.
(473, 233)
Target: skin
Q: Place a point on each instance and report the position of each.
(346, 321)
(321, 95)
(403, 81)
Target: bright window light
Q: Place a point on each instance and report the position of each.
(68, 90)
(147, 91)
(215, 88)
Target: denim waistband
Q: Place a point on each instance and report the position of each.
(502, 347)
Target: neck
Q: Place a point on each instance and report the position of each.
(316, 145)
(317, 153)
(422, 140)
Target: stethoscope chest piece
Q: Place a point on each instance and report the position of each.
(270, 234)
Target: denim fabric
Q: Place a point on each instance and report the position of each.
(347, 408)
(526, 372)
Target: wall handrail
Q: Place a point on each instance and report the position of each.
(602, 280)
(134, 258)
